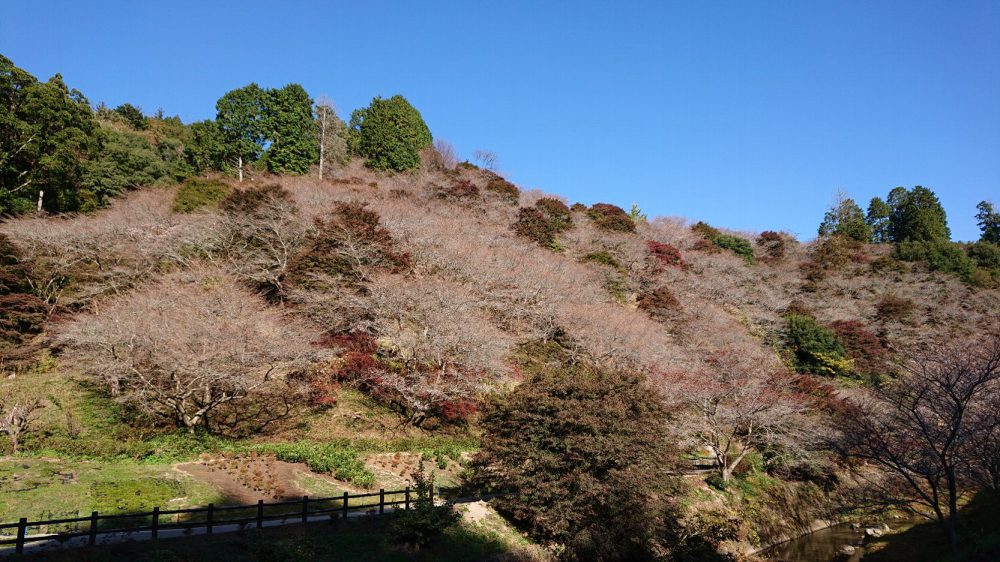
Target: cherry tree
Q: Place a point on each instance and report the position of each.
(187, 345)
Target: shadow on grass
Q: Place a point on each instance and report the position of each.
(980, 536)
(365, 540)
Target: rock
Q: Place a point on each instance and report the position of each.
(847, 550)
(885, 528)
(873, 532)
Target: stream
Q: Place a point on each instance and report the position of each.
(821, 546)
(828, 545)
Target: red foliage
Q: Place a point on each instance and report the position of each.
(659, 303)
(352, 341)
(611, 217)
(666, 254)
(504, 189)
(324, 392)
(457, 411)
(459, 190)
(773, 244)
(703, 245)
(864, 347)
(357, 367)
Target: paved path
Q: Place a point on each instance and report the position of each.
(56, 543)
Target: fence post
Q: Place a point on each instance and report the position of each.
(208, 518)
(22, 529)
(344, 507)
(155, 529)
(92, 540)
(407, 502)
(305, 509)
(381, 500)
(260, 513)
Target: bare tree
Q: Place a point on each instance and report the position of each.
(76, 259)
(449, 348)
(16, 414)
(927, 427)
(260, 234)
(736, 407)
(189, 344)
(331, 133)
(486, 158)
(442, 156)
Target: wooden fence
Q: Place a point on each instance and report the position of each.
(196, 518)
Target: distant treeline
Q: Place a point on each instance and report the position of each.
(60, 154)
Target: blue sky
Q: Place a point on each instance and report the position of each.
(749, 115)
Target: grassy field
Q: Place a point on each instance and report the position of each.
(84, 453)
(39, 488)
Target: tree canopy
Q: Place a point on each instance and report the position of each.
(390, 133)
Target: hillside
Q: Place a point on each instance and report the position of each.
(218, 313)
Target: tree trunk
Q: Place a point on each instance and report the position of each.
(952, 521)
(240, 166)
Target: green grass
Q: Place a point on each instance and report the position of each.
(50, 489)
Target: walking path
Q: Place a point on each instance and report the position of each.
(116, 537)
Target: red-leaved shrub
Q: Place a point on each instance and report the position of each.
(665, 254)
(610, 217)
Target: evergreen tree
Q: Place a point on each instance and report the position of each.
(390, 133)
(45, 136)
(133, 116)
(845, 218)
(241, 119)
(878, 220)
(290, 128)
(206, 149)
(917, 215)
(124, 161)
(989, 222)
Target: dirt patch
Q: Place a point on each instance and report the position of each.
(394, 470)
(476, 511)
(246, 481)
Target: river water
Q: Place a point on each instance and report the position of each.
(822, 546)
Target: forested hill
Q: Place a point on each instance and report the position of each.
(293, 256)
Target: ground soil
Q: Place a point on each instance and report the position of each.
(284, 475)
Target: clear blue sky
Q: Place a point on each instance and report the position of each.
(745, 114)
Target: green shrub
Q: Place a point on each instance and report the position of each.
(815, 349)
(943, 256)
(424, 521)
(196, 193)
(389, 133)
(603, 258)
(739, 246)
(141, 494)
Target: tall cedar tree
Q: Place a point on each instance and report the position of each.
(917, 215)
(578, 453)
(45, 136)
(290, 127)
(390, 133)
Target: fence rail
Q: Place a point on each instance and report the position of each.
(200, 518)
